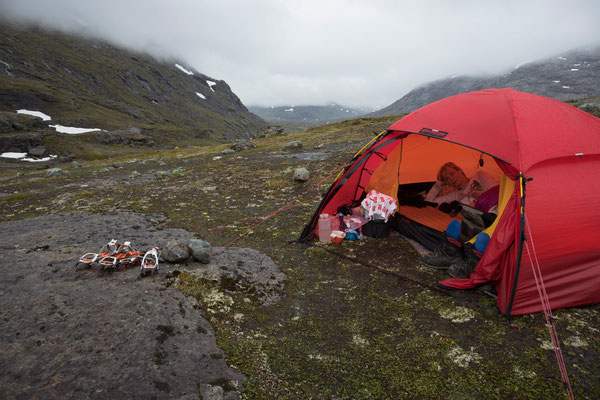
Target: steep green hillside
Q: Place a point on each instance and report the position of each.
(89, 83)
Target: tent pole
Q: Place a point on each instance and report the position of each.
(522, 240)
(360, 151)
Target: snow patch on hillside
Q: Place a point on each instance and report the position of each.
(39, 114)
(184, 70)
(72, 130)
(211, 84)
(59, 128)
(23, 157)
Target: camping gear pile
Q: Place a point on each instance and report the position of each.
(113, 256)
(351, 223)
(340, 227)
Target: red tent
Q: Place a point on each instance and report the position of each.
(547, 157)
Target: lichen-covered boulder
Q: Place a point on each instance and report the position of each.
(590, 107)
(54, 172)
(292, 146)
(241, 145)
(301, 174)
(176, 252)
(162, 174)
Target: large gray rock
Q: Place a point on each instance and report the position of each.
(108, 138)
(176, 252)
(6, 122)
(162, 174)
(20, 142)
(241, 145)
(38, 151)
(301, 174)
(200, 250)
(134, 130)
(590, 107)
(158, 340)
(136, 139)
(30, 122)
(242, 270)
(66, 158)
(54, 172)
(292, 146)
(9, 122)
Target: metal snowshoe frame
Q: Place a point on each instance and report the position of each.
(112, 256)
(149, 264)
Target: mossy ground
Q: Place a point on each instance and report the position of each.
(342, 329)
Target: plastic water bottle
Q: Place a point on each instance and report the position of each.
(324, 228)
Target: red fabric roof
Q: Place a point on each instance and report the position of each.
(519, 128)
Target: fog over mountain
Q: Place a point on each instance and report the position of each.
(568, 76)
(92, 84)
(355, 53)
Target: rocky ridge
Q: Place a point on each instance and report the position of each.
(307, 113)
(570, 76)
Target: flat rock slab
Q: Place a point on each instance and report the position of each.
(242, 270)
(88, 334)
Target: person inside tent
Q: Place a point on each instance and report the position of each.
(454, 185)
(476, 198)
(480, 192)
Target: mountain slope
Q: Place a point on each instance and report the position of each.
(573, 75)
(90, 83)
(331, 112)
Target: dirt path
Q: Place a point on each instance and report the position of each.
(87, 334)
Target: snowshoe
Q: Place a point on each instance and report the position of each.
(149, 262)
(86, 260)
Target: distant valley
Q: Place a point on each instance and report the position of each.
(308, 113)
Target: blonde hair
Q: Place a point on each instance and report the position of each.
(449, 165)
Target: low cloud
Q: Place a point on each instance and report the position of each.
(357, 53)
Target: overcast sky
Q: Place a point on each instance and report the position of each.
(353, 52)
